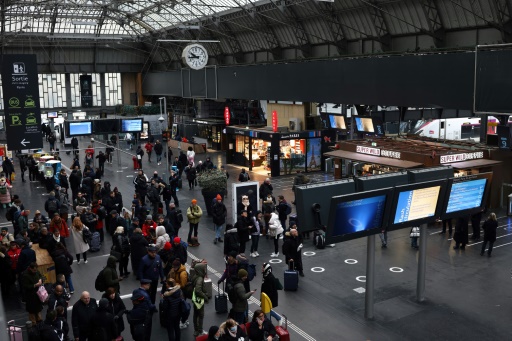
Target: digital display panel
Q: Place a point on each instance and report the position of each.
(357, 215)
(52, 114)
(337, 122)
(80, 128)
(467, 195)
(364, 124)
(131, 126)
(416, 204)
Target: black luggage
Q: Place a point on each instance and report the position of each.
(291, 278)
(221, 300)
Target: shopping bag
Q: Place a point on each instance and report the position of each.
(42, 293)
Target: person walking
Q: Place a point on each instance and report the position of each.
(489, 227)
(110, 275)
(149, 149)
(80, 246)
(219, 213)
(194, 214)
(158, 148)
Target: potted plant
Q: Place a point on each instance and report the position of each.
(212, 182)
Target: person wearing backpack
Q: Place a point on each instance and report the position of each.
(110, 275)
(52, 205)
(283, 210)
(201, 293)
(244, 176)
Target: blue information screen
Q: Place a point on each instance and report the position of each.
(80, 128)
(466, 195)
(416, 204)
(359, 215)
(131, 126)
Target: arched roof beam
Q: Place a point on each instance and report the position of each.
(503, 11)
(435, 24)
(335, 27)
(304, 43)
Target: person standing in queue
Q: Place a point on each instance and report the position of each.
(150, 268)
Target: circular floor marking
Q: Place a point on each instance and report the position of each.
(317, 269)
(396, 269)
(275, 261)
(361, 278)
(309, 253)
(351, 261)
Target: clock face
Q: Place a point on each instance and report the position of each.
(195, 56)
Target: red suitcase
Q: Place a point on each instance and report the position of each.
(283, 332)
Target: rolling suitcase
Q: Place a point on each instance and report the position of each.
(283, 332)
(15, 332)
(291, 279)
(221, 300)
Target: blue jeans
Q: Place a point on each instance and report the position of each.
(275, 315)
(70, 283)
(158, 157)
(218, 230)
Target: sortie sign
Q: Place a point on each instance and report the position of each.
(21, 102)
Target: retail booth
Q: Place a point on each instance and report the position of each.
(276, 153)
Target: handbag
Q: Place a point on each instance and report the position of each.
(198, 301)
(115, 254)
(42, 294)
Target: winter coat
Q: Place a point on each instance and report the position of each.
(194, 214)
(161, 238)
(63, 181)
(241, 207)
(490, 227)
(198, 282)
(241, 304)
(178, 252)
(151, 268)
(117, 308)
(461, 230)
(81, 316)
(191, 173)
(267, 328)
(110, 274)
(171, 305)
(281, 209)
(180, 276)
(5, 198)
(63, 261)
(27, 256)
(268, 286)
(138, 247)
(231, 242)
(147, 227)
(230, 273)
(158, 148)
(240, 335)
(33, 304)
(78, 240)
(173, 218)
(102, 322)
(265, 190)
(274, 225)
(62, 227)
(290, 246)
(219, 213)
(243, 229)
(121, 244)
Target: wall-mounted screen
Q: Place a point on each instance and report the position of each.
(417, 203)
(357, 215)
(467, 195)
(80, 128)
(337, 122)
(131, 125)
(52, 114)
(364, 124)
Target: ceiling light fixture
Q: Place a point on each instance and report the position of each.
(187, 41)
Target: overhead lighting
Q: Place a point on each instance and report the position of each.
(187, 41)
(86, 23)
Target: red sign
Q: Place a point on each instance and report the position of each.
(274, 121)
(226, 115)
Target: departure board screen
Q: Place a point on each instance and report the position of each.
(416, 204)
(466, 195)
(359, 215)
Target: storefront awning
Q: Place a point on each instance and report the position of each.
(385, 161)
(473, 164)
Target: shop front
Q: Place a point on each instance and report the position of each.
(209, 131)
(276, 154)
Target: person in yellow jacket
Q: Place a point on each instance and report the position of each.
(194, 214)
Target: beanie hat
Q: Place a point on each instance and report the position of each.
(103, 303)
(194, 201)
(5, 228)
(177, 239)
(149, 217)
(167, 246)
(219, 197)
(233, 254)
(242, 273)
(176, 263)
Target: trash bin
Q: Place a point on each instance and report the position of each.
(135, 163)
(509, 205)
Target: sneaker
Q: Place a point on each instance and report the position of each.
(183, 325)
(71, 292)
(256, 253)
(281, 236)
(187, 323)
(253, 255)
(78, 262)
(274, 255)
(86, 262)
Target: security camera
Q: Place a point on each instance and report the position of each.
(161, 119)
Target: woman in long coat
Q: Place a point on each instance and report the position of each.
(5, 198)
(489, 226)
(81, 247)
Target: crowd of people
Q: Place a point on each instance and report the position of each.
(81, 210)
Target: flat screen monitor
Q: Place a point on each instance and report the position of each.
(337, 122)
(358, 215)
(467, 195)
(364, 124)
(131, 125)
(417, 204)
(52, 114)
(80, 128)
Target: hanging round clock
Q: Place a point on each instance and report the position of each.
(195, 56)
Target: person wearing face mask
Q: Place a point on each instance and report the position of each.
(231, 331)
(261, 328)
(244, 205)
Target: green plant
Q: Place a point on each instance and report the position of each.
(212, 180)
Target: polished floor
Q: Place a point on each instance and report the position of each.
(468, 297)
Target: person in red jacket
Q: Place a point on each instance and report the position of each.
(149, 150)
(14, 252)
(96, 205)
(147, 226)
(58, 224)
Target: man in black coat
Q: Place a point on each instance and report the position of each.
(461, 233)
(292, 247)
(219, 213)
(74, 182)
(139, 246)
(102, 323)
(81, 315)
(158, 148)
(172, 217)
(74, 145)
(243, 227)
(265, 189)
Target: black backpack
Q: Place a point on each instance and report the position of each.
(9, 215)
(86, 235)
(52, 205)
(100, 283)
(102, 212)
(179, 215)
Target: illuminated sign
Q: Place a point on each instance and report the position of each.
(461, 157)
(368, 150)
